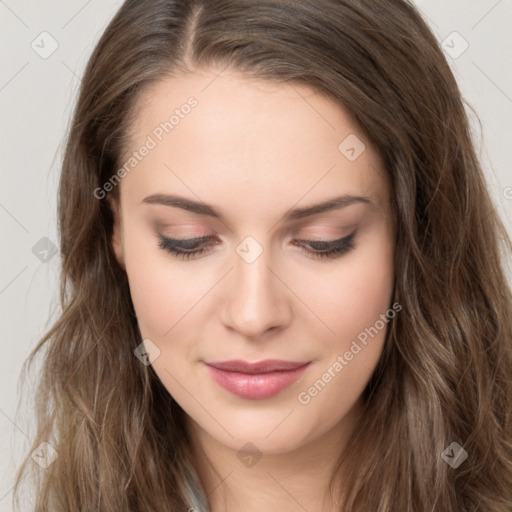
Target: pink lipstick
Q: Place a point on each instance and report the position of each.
(256, 381)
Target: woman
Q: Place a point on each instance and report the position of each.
(282, 285)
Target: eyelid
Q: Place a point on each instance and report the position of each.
(184, 242)
(192, 248)
(330, 243)
(210, 239)
(326, 230)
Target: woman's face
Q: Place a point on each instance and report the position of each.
(291, 207)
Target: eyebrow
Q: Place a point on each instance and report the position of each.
(200, 208)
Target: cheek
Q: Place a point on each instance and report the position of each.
(359, 312)
(158, 289)
(350, 296)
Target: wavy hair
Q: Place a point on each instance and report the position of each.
(445, 371)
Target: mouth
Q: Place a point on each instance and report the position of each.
(256, 381)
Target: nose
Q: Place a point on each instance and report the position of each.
(255, 300)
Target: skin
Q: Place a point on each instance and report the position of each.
(255, 150)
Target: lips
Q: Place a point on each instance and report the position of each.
(256, 381)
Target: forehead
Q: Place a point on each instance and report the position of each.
(243, 107)
(246, 134)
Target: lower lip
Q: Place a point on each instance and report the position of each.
(256, 386)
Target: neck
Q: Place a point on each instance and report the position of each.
(297, 480)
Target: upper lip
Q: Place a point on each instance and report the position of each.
(267, 366)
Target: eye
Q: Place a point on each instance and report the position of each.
(327, 249)
(191, 247)
(185, 248)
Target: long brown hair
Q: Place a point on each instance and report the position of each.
(445, 372)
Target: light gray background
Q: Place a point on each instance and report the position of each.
(36, 98)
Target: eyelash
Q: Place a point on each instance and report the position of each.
(334, 249)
